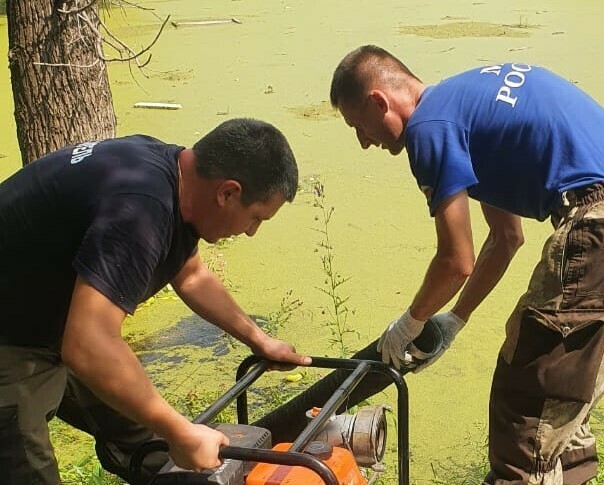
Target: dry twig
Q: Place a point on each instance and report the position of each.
(104, 36)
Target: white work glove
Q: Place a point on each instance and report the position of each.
(399, 334)
(449, 325)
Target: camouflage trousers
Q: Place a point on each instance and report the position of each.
(549, 373)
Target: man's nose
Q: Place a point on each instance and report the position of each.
(253, 229)
(364, 141)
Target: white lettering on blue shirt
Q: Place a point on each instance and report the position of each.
(512, 80)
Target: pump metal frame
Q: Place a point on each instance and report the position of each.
(250, 370)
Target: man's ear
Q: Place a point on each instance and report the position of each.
(380, 99)
(228, 191)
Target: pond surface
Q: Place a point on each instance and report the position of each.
(276, 65)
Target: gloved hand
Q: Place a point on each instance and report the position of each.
(399, 334)
(449, 325)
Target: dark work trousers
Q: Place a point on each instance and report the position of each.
(34, 387)
(550, 374)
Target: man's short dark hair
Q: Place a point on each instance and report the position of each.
(252, 152)
(359, 68)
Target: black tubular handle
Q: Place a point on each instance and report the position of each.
(243, 454)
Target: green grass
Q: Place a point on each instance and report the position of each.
(75, 453)
(79, 466)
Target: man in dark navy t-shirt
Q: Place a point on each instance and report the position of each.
(524, 143)
(86, 234)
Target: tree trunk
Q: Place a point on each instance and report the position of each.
(59, 79)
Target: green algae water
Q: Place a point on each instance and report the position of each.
(275, 64)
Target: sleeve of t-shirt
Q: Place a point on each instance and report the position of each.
(123, 246)
(440, 160)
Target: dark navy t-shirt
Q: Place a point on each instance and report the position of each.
(107, 211)
(515, 136)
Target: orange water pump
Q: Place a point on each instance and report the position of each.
(341, 462)
(333, 449)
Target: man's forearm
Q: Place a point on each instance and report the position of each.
(443, 280)
(207, 296)
(93, 347)
(454, 259)
(111, 370)
(203, 292)
(491, 264)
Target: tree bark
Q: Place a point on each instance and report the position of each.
(59, 79)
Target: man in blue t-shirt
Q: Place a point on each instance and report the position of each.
(524, 143)
(86, 234)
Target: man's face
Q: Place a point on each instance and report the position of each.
(232, 217)
(375, 123)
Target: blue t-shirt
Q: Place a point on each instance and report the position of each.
(514, 136)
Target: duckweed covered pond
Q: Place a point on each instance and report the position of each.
(276, 65)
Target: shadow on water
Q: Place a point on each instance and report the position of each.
(191, 330)
(149, 357)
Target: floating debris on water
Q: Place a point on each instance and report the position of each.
(144, 104)
(232, 20)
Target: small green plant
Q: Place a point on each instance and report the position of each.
(215, 262)
(272, 396)
(523, 22)
(469, 472)
(277, 395)
(88, 471)
(337, 310)
(195, 402)
(278, 319)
